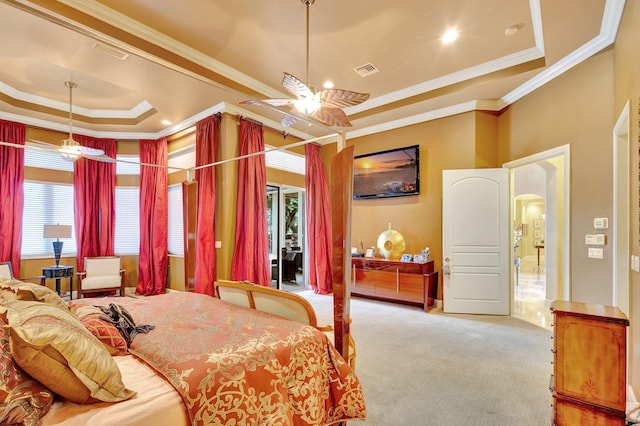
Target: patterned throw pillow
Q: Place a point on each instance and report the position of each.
(23, 401)
(55, 348)
(105, 331)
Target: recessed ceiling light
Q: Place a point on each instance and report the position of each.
(328, 84)
(512, 30)
(166, 122)
(450, 36)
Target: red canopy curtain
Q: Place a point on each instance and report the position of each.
(154, 217)
(206, 143)
(251, 254)
(94, 192)
(11, 193)
(318, 202)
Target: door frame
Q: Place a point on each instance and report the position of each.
(620, 231)
(563, 150)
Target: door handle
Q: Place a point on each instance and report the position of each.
(446, 268)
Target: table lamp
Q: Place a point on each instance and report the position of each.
(57, 231)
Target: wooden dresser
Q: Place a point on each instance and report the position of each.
(589, 381)
(404, 282)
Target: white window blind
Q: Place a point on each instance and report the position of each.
(127, 238)
(46, 204)
(176, 242)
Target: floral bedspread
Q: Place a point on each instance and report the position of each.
(237, 366)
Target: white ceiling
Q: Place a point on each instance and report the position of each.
(189, 58)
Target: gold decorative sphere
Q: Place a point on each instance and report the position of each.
(391, 244)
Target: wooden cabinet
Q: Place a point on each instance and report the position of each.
(589, 366)
(404, 282)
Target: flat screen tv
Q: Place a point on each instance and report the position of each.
(391, 173)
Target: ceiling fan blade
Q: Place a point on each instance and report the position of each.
(100, 157)
(91, 152)
(274, 102)
(296, 87)
(288, 120)
(42, 146)
(333, 117)
(338, 98)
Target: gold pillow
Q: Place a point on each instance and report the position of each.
(55, 348)
(32, 291)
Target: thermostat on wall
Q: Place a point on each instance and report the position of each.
(601, 223)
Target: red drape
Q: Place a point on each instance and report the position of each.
(251, 254)
(318, 202)
(154, 216)
(206, 142)
(11, 193)
(94, 191)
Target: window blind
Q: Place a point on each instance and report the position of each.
(176, 242)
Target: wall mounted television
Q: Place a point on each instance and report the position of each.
(391, 173)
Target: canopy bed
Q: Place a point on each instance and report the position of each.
(200, 360)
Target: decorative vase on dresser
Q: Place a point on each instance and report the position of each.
(589, 379)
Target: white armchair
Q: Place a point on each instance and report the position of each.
(100, 274)
(6, 271)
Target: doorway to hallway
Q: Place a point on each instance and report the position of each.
(540, 212)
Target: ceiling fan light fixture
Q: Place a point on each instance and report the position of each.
(306, 105)
(70, 150)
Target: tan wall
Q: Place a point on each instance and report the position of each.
(448, 143)
(575, 109)
(627, 88)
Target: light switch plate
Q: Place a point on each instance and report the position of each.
(596, 253)
(595, 240)
(218, 244)
(601, 223)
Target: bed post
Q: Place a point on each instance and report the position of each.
(189, 218)
(341, 194)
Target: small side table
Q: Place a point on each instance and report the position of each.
(59, 272)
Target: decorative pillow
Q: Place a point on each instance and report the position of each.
(35, 292)
(55, 348)
(23, 401)
(105, 331)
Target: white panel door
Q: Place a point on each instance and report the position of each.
(476, 241)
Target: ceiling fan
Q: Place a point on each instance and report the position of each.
(70, 149)
(325, 105)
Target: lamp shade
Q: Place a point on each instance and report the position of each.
(57, 231)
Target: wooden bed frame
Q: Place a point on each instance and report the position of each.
(277, 302)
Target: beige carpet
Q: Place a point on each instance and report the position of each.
(420, 368)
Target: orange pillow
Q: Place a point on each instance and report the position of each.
(105, 331)
(22, 399)
(55, 348)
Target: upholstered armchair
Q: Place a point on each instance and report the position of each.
(100, 274)
(6, 271)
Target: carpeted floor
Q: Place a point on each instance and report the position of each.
(435, 369)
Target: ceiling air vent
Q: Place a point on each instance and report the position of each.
(366, 70)
(111, 51)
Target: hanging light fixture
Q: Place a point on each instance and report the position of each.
(72, 150)
(325, 105)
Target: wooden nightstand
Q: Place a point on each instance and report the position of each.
(58, 272)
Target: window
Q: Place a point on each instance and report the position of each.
(176, 241)
(127, 238)
(46, 203)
